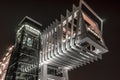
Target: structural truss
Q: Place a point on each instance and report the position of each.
(48, 54)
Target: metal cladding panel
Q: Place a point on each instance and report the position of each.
(74, 39)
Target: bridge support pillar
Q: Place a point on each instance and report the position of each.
(44, 72)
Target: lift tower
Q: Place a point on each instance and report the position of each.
(24, 61)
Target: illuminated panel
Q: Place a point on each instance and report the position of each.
(91, 23)
(33, 30)
(29, 28)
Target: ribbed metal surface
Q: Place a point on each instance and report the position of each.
(69, 42)
(74, 41)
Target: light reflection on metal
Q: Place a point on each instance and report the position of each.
(28, 27)
(74, 41)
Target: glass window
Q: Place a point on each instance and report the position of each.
(24, 40)
(29, 42)
(91, 24)
(35, 45)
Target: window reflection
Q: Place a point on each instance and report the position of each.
(29, 42)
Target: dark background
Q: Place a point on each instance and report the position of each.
(45, 11)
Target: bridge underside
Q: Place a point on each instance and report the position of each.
(74, 41)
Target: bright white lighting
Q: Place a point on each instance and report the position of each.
(10, 48)
(69, 18)
(7, 53)
(0, 71)
(89, 53)
(4, 58)
(75, 14)
(20, 29)
(50, 79)
(29, 28)
(97, 51)
(64, 22)
(93, 32)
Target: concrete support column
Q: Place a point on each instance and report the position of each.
(44, 72)
(65, 74)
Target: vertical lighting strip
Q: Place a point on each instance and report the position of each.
(4, 64)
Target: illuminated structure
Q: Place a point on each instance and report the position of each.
(4, 63)
(24, 61)
(49, 54)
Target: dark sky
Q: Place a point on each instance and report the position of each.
(45, 11)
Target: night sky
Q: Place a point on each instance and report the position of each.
(46, 11)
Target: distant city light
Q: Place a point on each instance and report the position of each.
(4, 63)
